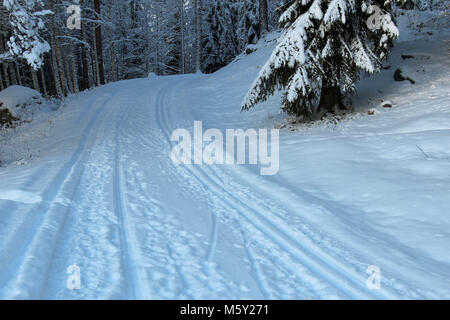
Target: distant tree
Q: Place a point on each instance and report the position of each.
(263, 17)
(99, 43)
(248, 23)
(219, 43)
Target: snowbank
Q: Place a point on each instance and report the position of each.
(16, 98)
(18, 144)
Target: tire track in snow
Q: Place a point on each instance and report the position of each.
(319, 264)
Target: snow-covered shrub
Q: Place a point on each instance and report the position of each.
(22, 142)
(18, 101)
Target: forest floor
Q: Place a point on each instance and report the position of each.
(103, 194)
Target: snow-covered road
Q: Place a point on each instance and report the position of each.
(138, 226)
(106, 198)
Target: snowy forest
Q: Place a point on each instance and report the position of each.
(59, 48)
(123, 39)
(224, 149)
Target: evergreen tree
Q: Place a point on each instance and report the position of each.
(219, 44)
(26, 21)
(248, 23)
(120, 39)
(327, 43)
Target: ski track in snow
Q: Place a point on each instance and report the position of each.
(133, 276)
(140, 227)
(32, 258)
(34, 263)
(320, 265)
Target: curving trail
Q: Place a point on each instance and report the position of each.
(140, 227)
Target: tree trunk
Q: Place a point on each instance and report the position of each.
(113, 62)
(263, 17)
(183, 67)
(5, 72)
(55, 69)
(62, 75)
(35, 80)
(158, 32)
(67, 71)
(330, 100)
(19, 77)
(44, 86)
(95, 67)
(57, 79)
(4, 63)
(198, 34)
(74, 61)
(88, 61)
(98, 44)
(12, 73)
(1, 82)
(112, 53)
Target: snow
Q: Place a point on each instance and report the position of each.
(423, 25)
(14, 98)
(20, 196)
(104, 196)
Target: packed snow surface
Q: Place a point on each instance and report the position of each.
(105, 197)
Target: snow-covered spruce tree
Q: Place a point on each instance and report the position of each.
(219, 43)
(248, 28)
(26, 22)
(327, 43)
